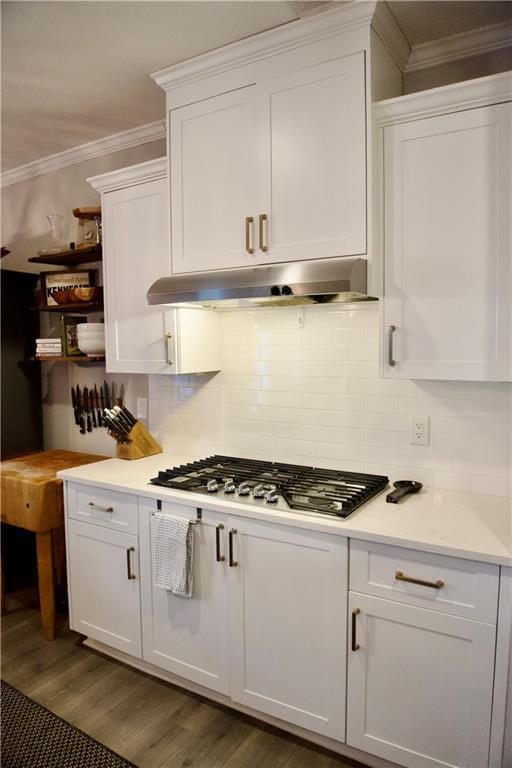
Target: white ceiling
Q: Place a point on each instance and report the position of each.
(76, 71)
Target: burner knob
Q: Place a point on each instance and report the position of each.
(271, 497)
(229, 486)
(212, 486)
(258, 491)
(243, 489)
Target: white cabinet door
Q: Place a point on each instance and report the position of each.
(419, 685)
(447, 246)
(189, 637)
(136, 253)
(312, 162)
(104, 585)
(288, 627)
(213, 153)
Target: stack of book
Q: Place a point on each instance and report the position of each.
(48, 347)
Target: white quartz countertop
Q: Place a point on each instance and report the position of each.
(467, 525)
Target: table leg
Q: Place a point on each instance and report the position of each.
(46, 584)
(3, 608)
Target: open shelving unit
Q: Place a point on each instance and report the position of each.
(70, 258)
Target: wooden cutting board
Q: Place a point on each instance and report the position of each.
(31, 493)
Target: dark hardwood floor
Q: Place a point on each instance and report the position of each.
(147, 721)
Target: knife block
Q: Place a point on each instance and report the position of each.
(140, 444)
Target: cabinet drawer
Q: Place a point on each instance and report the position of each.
(455, 586)
(117, 511)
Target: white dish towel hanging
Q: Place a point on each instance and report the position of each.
(174, 554)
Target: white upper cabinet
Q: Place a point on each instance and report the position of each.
(312, 166)
(268, 141)
(213, 172)
(447, 234)
(140, 338)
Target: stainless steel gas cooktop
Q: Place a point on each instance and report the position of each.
(288, 487)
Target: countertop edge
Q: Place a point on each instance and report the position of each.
(297, 521)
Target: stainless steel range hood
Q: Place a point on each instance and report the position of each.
(299, 282)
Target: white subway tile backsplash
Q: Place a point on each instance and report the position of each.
(312, 394)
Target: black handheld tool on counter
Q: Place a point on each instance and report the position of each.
(402, 488)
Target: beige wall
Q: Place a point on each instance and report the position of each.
(24, 231)
(26, 204)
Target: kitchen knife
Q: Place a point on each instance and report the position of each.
(97, 405)
(120, 416)
(107, 395)
(91, 406)
(86, 407)
(75, 407)
(80, 407)
(120, 399)
(131, 418)
(113, 398)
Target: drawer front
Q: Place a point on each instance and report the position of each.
(450, 585)
(117, 511)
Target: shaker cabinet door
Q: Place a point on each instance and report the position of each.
(104, 585)
(136, 245)
(189, 636)
(419, 685)
(312, 162)
(212, 147)
(448, 197)
(287, 592)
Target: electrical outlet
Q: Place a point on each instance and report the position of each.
(420, 430)
(142, 407)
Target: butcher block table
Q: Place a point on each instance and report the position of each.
(32, 499)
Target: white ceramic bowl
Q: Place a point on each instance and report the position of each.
(92, 347)
(90, 336)
(91, 327)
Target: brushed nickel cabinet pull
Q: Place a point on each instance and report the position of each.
(129, 573)
(399, 576)
(262, 219)
(101, 509)
(168, 337)
(391, 330)
(220, 558)
(232, 562)
(355, 645)
(249, 220)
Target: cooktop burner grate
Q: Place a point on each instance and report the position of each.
(309, 489)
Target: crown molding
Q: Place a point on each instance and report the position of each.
(127, 177)
(386, 28)
(481, 92)
(143, 134)
(294, 34)
(461, 46)
(310, 7)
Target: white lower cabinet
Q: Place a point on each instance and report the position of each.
(104, 585)
(420, 684)
(266, 623)
(288, 628)
(188, 637)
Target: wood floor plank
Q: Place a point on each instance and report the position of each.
(146, 720)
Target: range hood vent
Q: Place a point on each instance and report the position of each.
(294, 283)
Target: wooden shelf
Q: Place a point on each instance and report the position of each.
(70, 258)
(68, 359)
(81, 306)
